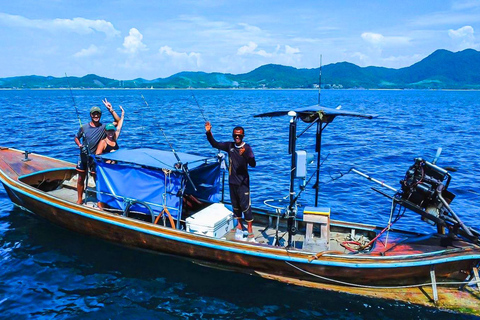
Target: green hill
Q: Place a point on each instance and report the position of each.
(441, 70)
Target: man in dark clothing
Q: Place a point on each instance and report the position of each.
(240, 156)
(91, 134)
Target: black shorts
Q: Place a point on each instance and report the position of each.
(240, 197)
(83, 161)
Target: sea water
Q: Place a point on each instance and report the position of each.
(49, 272)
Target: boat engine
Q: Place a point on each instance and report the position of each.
(424, 191)
(424, 186)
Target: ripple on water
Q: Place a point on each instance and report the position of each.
(48, 272)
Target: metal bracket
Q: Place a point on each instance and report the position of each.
(434, 284)
(474, 276)
(26, 153)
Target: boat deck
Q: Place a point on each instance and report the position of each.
(266, 233)
(341, 236)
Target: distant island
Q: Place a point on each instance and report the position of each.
(442, 69)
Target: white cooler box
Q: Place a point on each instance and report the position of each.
(214, 221)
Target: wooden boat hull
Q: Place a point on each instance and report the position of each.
(350, 271)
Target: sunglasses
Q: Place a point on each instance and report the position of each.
(238, 135)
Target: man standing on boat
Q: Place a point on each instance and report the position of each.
(91, 134)
(240, 156)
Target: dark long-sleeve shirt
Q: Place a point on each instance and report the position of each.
(238, 164)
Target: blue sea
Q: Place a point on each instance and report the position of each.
(51, 273)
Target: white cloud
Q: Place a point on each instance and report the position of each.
(133, 42)
(77, 25)
(90, 51)
(463, 32)
(373, 38)
(250, 28)
(464, 36)
(360, 56)
(250, 48)
(181, 57)
(379, 40)
(250, 56)
(290, 50)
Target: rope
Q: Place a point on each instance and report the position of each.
(169, 217)
(167, 175)
(387, 228)
(380, 287)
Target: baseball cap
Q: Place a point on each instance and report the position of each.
(95, 109)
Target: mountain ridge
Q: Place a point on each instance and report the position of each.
(442, 69)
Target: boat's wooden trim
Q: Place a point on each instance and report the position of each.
(340, 260)
(240, 255)
(180, 235)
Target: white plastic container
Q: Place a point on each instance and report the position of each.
(214, 221)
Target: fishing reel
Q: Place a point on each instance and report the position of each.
(425, 187)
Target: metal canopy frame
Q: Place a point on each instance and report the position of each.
(322, 116)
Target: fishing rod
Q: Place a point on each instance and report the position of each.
(179, 164)
(85, 147)
(141, 121)
(199, 107)
(73, 99)
(222, 159)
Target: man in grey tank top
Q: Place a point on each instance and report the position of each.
(87, 139)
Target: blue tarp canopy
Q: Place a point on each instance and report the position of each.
(153, 158)
(150, 176)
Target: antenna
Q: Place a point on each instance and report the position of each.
(320, 80)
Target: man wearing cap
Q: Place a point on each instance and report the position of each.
(91, 134)
(240, 156)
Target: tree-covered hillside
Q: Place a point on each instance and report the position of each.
(441, 70)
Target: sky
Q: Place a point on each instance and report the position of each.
(129, 39)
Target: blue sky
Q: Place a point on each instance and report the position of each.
(127, 39)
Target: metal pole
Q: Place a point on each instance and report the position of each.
(318, 148)
(434, 284)
(373, 179)
(291, 150)
(320, 80)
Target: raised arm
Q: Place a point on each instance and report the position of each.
(225, 146)
(120, 124)
(110, 109)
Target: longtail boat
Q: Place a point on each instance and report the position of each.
(169, 202)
